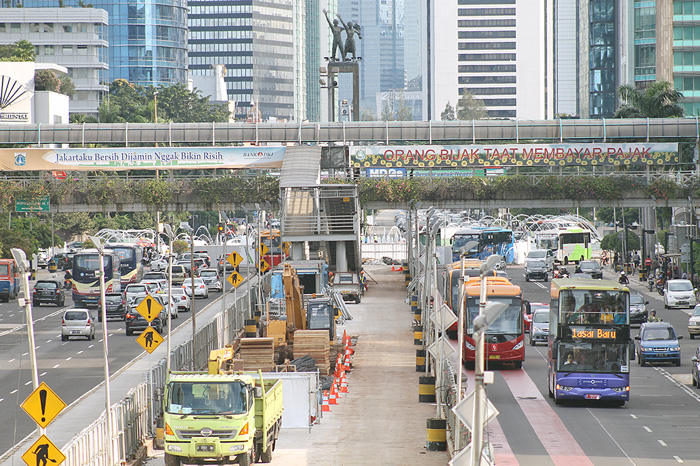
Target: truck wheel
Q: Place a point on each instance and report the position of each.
(172, 460)
(266, 456)
(247, 458)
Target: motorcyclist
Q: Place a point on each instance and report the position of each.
(67, 280)
(652, 317)
(623, 278)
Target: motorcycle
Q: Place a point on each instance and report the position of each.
(650, 283)
(561, 273)
(660, 286)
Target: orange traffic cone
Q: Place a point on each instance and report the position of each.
(343, 385)
(333, 398)
(345, 338)
(325, 405)
(348, 365)
(336, 383)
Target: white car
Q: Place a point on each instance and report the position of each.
(172, 304)
(201, 290)
(211, 278)
(679, 293)
(181, 298)
(545, 255)
(159, 265)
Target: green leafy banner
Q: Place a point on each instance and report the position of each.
(515, 155)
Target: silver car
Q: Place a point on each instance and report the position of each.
(200, 288)
(539, 328)
(211, 278)
(77, 323)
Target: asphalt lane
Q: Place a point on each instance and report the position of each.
(71, 368)
(658, 426)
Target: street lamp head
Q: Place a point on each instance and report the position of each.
(492, 311)
(468, 247)
(20, 258)
(168, 230)
(257, 207)
(489, 264)
(186, 226)
(430, 212)
(98, 243)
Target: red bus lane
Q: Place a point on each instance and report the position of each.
(561, 446)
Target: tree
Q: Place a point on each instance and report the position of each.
(15, 238)
(67, 86)
(22, 50)
(395, 108)
(367, 115)
(448, 114)
(613, 242)
(606, 215)
(180, 246)
(659, 100)
(469, 108)
(46, 80)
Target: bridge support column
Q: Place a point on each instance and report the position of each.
(341, 259)
(297, 251)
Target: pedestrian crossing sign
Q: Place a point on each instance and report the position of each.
(43, 452)
(149, 339)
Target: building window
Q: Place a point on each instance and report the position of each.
(67, 50)
(49, 50)
(82, 50)
(67, 28)
(15, 28)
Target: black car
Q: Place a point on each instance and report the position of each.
(116, 307)
(638, 308)
(536, 270)
(590, 267)
(48, 291)
(134, 321)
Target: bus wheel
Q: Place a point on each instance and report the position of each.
(468, 365)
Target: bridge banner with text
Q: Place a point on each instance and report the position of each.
(515, 155)
(141, 158)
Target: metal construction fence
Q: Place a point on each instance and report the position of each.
(134, 417)
(396, 251)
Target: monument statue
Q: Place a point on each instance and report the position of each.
(337, 39)
(350, 30)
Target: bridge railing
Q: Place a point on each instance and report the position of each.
(134, 417)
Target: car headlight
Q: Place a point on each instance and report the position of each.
(174, 448)
(675, 348)
(643, 349)
(469, 346)
(518, 346)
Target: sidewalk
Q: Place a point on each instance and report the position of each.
(380, 421)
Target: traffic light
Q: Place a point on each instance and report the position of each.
(221, 227)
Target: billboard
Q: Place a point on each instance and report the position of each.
(140, 158)
(514, 155)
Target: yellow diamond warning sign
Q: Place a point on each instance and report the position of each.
(150, 339)
(263, 266)
(235, 279)
(234, 259)
(43, 452)
(43, 405)
(263, 250)
(149, 308)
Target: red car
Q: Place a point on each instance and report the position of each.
(527, 317)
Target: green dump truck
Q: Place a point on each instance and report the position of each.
(221, 418)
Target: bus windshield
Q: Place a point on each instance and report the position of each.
(125, 254)
(462, 239)
(579, 306)
(89, 261)
(548, 242)
(593, 357)
(4, 269)
(508, 322)
(575, 238)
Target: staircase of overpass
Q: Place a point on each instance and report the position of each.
(320, 221)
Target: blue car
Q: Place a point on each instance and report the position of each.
(658, 342)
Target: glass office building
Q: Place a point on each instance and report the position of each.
(254, 40)
(602, 80)
(147, 39)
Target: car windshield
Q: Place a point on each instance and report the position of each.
(680, 286)
(589, 266)
(208, 273)
(537, 255)
(113, 299)
(541, 317)
(45, 286)
(636, 299)
(696, 311)
(537, 263)
(136, 289)
(659, 334)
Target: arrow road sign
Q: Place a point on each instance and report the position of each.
(43, 405)
(149, 308)
(149, 339)
(234, 259)
(43, 452)
(235, 279)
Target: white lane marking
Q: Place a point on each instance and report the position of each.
(49, 341)
(647, 429)
(101, 339)
(28, 383)
(91, 346)
(21, 326)
(663, 444)
(675, 457)
(2, 399)
(24, 354)
(54, 367)
(42, 374)
(610, 435)
(11, 360)
(693, 393)
(79, 352)
(13, 391)
(110, 334)
(37, 347)
(68, 358)
(633, 416)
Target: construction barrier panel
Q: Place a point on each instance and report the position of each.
(418, 335)
(437, 435)
(426, 389)
(420, 360)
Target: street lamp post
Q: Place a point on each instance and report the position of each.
(190, 229)
(21, 260)
(487, 314)
(169, 231)
(105, 350)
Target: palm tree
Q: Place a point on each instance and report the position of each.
(659, 100)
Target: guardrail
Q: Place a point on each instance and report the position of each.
(134, 417)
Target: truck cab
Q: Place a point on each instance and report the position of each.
(349, 286)
(320, 315)
(9, 279)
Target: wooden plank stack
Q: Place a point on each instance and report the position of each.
(315, 343)
(257, 353)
